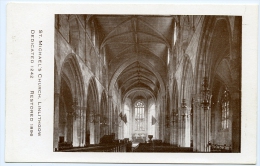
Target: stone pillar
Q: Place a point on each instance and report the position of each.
(187, 131)
(133, 121)
(122, 123)
(146, 112)
(163, 118)
(97, 131)
(157, 123)
(76, 125)
(175, 127)
(56, 121)
(202, 125)
(84, 121)
(179, 128)
(80, 128)
(160, 123)
(66, 128)
(130, 125)
(235, 118)
(185, 125)
(110, 109)
(196, 124)
(92, 132)
(149, 123)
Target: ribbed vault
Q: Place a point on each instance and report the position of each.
(142, 40)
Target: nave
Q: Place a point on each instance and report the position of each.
(147, 83)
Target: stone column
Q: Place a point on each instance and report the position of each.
(146, 120)
(175, 127)
(149, 123)
(92, 131)
(84, 121)
(202, 125)
(179, 128)
(186, 125)
(76, 125)
(156, 124)
(110, 109)
(163, 119)
(56, 121)
(66, 127)
(235, 117)
(196, 124)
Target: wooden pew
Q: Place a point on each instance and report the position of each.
(215, 148)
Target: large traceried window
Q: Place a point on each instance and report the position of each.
(139, 116)
(225, 109)
(175, 33)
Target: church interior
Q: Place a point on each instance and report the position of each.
(147, 83)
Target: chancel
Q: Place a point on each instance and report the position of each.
(147, 83)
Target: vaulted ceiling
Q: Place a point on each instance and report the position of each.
(144, 42)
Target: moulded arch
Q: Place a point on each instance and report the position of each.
(138, 89)
(92, 86)
(129, 62)
(92, 110)
(204, 56)
(71, 63)
(187, 79)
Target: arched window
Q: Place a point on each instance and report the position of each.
(139, 116)
(225, 109)
(175, 33)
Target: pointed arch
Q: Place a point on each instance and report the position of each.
(92, 112)
(131, 61)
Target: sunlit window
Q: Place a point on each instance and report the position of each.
(168, 58)
(175, 33)
(225, 109)
(139, 116)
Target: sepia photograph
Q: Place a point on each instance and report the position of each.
(147, 83)
(131, 83)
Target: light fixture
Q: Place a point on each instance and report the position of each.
(174, 116)
(184, 108)
(205, 95)
(205, 92)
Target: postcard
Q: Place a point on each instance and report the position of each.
(131, 83)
